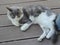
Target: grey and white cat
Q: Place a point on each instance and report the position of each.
(33, 14)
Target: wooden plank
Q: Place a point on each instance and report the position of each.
(17, 1)
(50, 4)
(30, 42)
(12, 33)
(4, 20)
(57, 10)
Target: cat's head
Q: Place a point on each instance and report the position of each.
(14, 12)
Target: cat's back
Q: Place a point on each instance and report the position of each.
(34, 10)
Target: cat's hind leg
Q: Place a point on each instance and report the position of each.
(42, 37)
(45, 31)
(51, 32)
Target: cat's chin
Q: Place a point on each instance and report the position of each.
(16, 24)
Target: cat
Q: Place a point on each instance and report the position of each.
(33, 14)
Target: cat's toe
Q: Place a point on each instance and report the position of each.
(16, 24)
(48, 37)
(40, 40)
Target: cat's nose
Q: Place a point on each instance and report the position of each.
(16, 17)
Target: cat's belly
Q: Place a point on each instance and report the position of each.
(43, 20)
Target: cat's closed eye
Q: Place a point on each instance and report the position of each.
(12, 15)
(18, 14)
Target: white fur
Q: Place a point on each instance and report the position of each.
(46, 23)
(25, 26)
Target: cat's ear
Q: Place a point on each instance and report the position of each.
(9, 8)
(18, 9)
(43, 8)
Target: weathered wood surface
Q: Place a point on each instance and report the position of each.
(31, 42)
(13, 34)
(17, 1)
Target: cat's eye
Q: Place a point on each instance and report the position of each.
(12, 15)
(18, 14)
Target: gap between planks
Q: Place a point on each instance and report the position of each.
(19, 39)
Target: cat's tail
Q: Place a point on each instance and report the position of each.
(55, 35)
(54, 38)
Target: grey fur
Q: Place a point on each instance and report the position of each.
(35, 10)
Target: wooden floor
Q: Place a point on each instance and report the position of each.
(11, 35)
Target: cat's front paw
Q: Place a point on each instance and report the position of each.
(24, 27)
